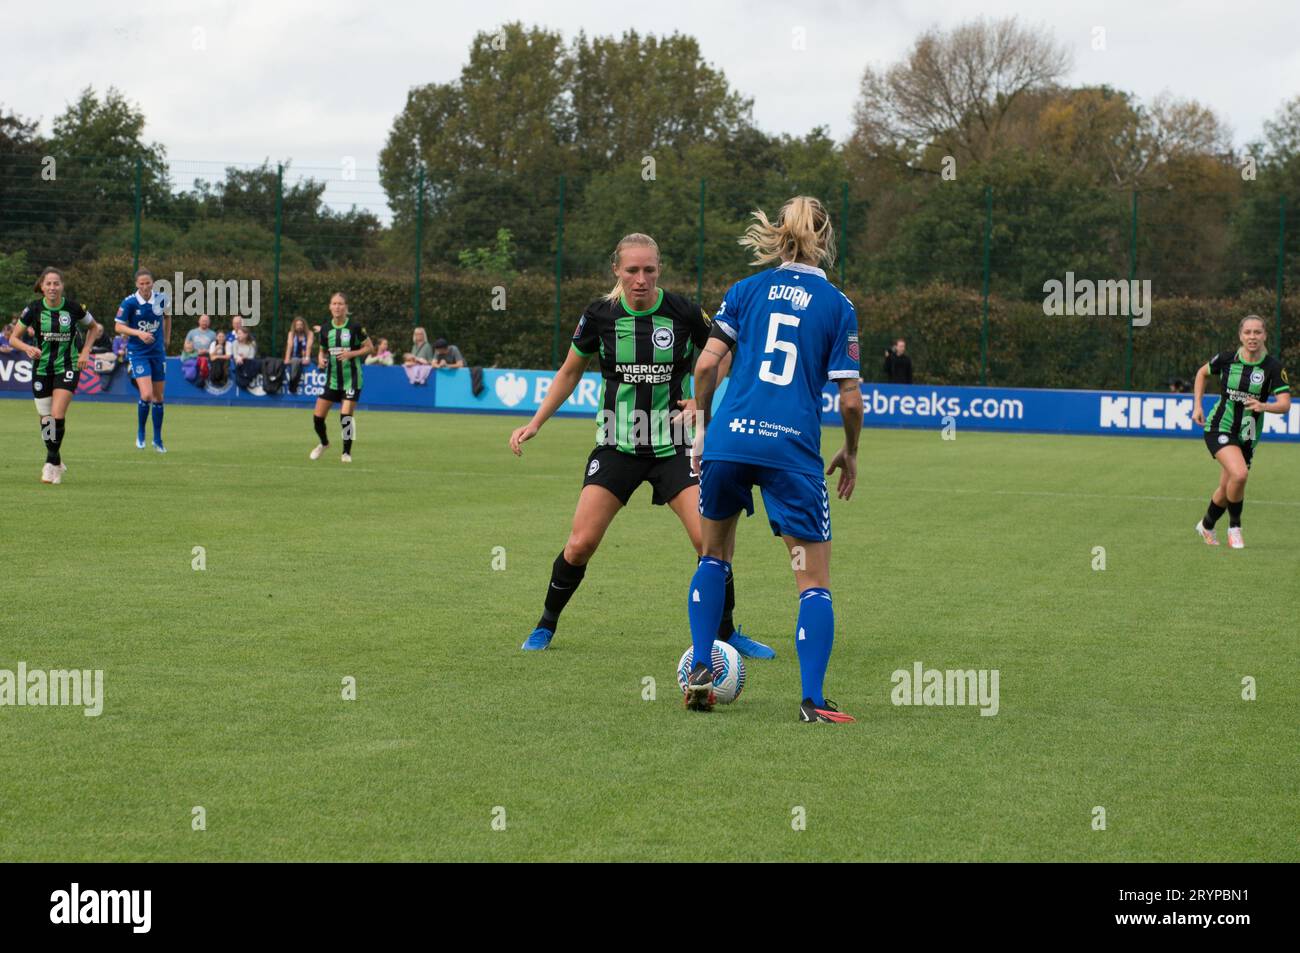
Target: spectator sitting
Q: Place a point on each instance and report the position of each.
(419, 361)
(236, 325)
(383, 355)
(446, 355)
(5, 347)
(898, 366)
(244, 348)
(219, 355)
(119, 347)
(199, 340)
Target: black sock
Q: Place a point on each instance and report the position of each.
(1234, 513)
(320, 430)
(346, 422)
(1212, 515)
(725, 626)
(565, 578)
(51, 444)
(59, 427)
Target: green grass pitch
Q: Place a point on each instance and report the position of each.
(1119, 688)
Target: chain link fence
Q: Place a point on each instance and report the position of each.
(1006, 285)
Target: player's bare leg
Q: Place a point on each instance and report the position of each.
(596, 509)
(321, 411)
(1235, 473)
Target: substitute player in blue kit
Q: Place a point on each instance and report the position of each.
(143, 319)
(791, 331)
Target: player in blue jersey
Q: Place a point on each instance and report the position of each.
(791, 331)
(143, 319)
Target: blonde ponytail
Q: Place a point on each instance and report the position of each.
(636, 238)
(802, 232)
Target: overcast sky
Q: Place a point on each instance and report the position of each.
(317, 80)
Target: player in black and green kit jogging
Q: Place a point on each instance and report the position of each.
(53, 322)
(1248, 378)
(343, 346)
(647, 340)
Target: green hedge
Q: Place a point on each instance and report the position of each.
(941, 323)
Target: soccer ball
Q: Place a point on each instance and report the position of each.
(728, 672)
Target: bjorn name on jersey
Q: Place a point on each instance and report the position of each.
(791, 331)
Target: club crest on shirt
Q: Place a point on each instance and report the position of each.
(1257, 376)
(65, 319)
(663, 338)
(346, 336)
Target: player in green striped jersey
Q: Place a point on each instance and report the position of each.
(53, 321)
(344, 345)
(646, 340)
(1248, 377)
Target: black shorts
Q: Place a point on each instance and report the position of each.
(46, 384)
(1214, 442)
(336, 396)
(621, 473)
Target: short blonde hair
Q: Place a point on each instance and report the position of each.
(636, 238)
(802, 232)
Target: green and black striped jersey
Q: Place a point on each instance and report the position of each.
(335, 339)
(54, 330)
(644, 357)
(1241, 381)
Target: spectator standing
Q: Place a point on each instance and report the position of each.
(419, 360)
(898, 366)
(421, 351)
(297, 352)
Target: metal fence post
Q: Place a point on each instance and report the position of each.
(1281, 261)
(279, 224)
(1132, 277)
(699, 253)
(139, 173)
(559, 279)
(984, 321)
(844, 228)
(419, 240)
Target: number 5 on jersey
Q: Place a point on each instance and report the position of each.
(776, 344)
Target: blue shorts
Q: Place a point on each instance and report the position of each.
(147, 365)
(797, 504)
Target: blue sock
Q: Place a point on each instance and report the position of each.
(813, 641)
(157, 421)
(704, 605)
(141, 414)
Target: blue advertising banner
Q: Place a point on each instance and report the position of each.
(1042, 411)
(382, 387)
(515, 391)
